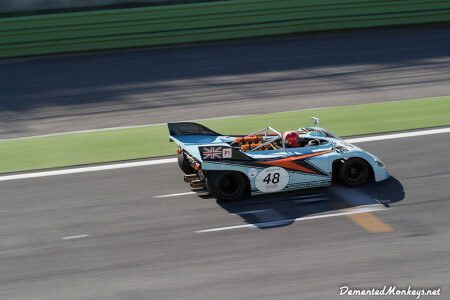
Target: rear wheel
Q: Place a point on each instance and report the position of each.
(184, 164)
(354, 172)
(227, 186)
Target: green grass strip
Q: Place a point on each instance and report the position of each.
(143, 142)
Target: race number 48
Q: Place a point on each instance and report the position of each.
(275, 178)
(272, 179)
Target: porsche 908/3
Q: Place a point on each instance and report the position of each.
(268, 161)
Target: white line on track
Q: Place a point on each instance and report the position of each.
(173, 160)
(89, 169)
(398, 135)
(175, 195)
(73, 237)
(343, 212)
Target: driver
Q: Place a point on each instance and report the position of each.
(291, 139)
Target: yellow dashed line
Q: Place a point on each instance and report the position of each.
(370, 222)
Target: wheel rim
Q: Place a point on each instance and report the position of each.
(229, 185)
(355, 172)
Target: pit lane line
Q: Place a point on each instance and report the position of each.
(173, 160)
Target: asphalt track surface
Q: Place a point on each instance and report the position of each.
(108, 89)
(136, 246)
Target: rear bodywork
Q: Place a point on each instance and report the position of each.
(294, 168)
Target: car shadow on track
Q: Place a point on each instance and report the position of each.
(276, 210)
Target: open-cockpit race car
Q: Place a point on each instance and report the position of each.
(267, 161)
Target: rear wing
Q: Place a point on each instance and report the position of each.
(190, 128)
(189, 134)
(203, 143)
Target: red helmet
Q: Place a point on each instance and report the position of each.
(291, 139)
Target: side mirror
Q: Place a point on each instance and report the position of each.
(315, 120)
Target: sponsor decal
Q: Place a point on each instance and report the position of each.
(226, 152)
(272, 179)
(216, 152)
(308, 184)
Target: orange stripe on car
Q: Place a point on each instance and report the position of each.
(289, 162)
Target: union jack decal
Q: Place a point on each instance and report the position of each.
(212, 153)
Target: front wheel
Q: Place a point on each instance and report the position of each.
(354, 172)
(227, 186)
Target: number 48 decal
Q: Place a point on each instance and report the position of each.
(272, 179)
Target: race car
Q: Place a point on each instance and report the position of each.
(231, 167)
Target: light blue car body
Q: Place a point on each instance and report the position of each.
(332, 149)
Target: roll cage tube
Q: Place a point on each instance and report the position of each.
(266, 131)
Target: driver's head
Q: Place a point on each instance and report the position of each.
(291, 139)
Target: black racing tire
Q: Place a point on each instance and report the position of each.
(184, 164)
(354, 172)
(227, 185)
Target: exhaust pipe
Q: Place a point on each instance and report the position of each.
(191, 177)
(198, 184)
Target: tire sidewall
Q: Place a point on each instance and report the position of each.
(345, 180)
(184, 164)
(214, 181)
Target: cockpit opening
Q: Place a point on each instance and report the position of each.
(270, 139)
